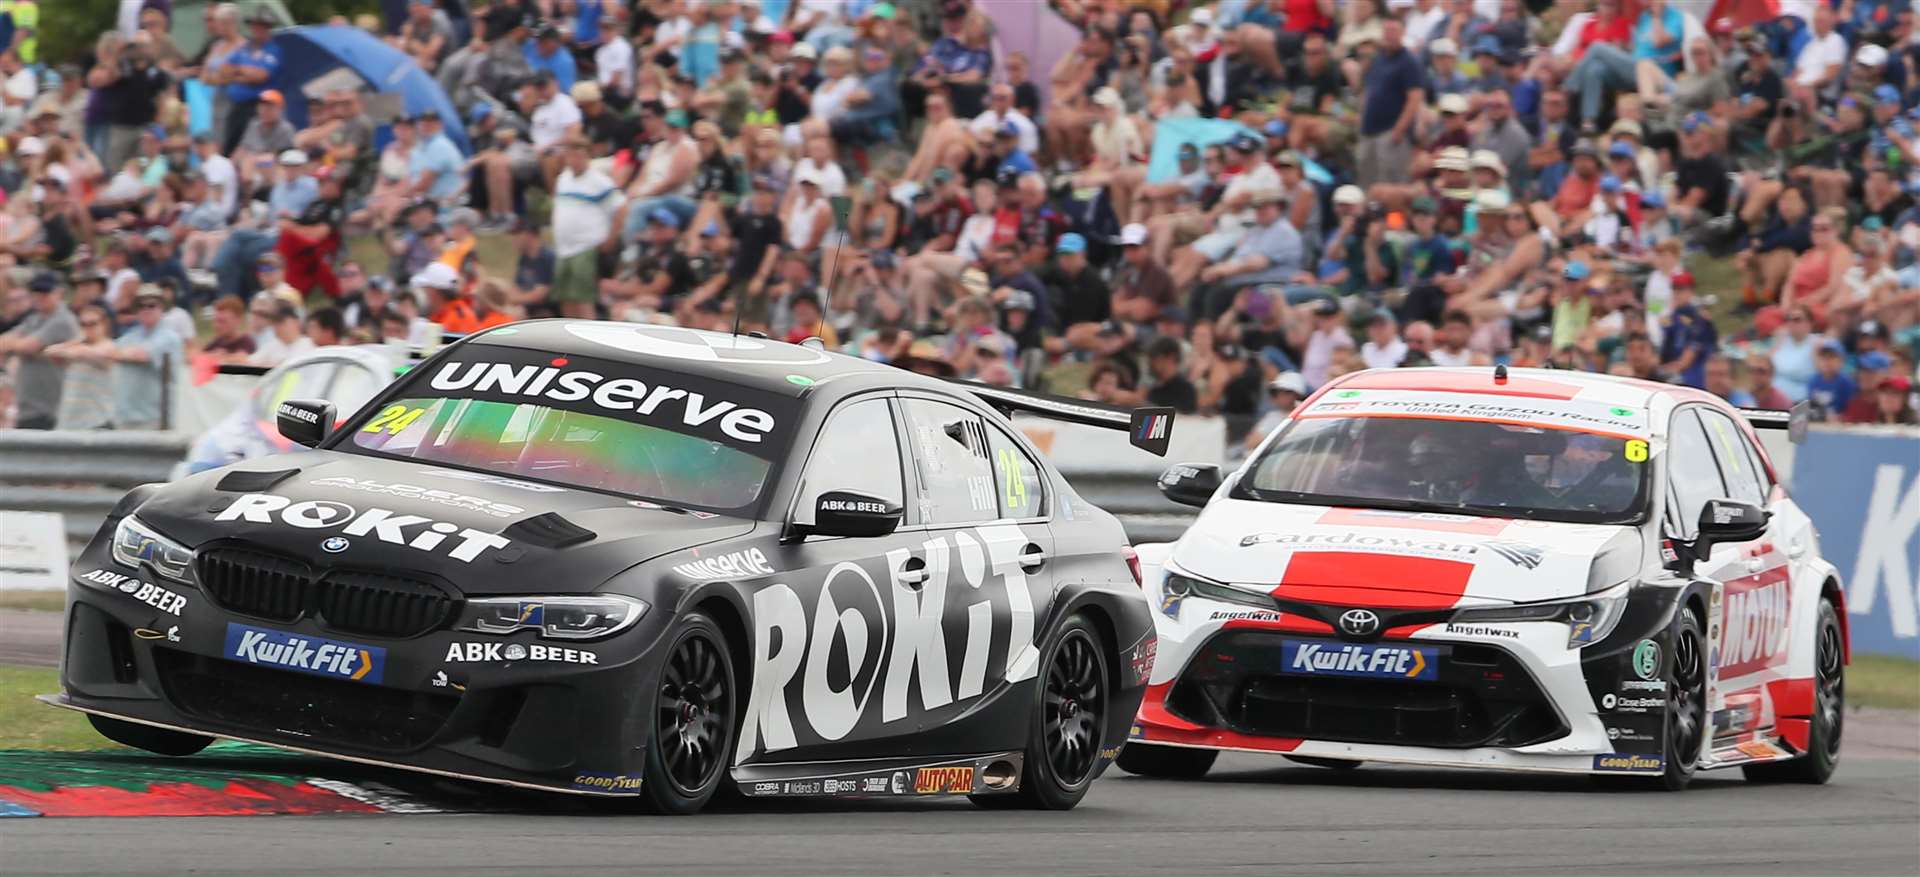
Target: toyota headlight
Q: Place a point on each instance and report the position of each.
(1588, 618)
(136, 545)
(571, 618)
(1187, 586)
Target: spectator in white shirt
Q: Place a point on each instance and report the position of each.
(1383, 347)
(1822, 58)
(1000, 111)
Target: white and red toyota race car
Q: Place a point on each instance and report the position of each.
(1527, 570)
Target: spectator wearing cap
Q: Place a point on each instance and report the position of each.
(547, 53)
(285, 335)
(434, 165)
(1325, 341)
(1358, 257)
(1830, 388)
(1169, 385)
(653, 272)
(1271, 252)
(554, 114)
(1393, 92)
(586, 208)
(1231, 215)
(1284, 393)
(362, 299)
(37, 379)
(1453, 109)
(667, 177)
(1892, 403)
(1383, 347)
(1443, 72)
(1000, 113)
(338, 131)
(533, 268)
(1688, 338)
(727, 97)
(872, 108)
(958, 62)
(1077, 295)
(267, 136)
(244, 75)
(157, 260)
(808, 217)
(1142, 288)
(441, 300)
(1872, 368)
(1609, 224)
(144, 356)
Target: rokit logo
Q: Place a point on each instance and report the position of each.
(146, 592)
(423, 534)
(1754, 635)
(616, 395)
(473, 653)
(876, 638)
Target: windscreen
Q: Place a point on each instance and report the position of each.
(1454, 466)
(660, 436)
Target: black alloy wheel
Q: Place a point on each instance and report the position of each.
(1063, 753)
(693, 715)
(1829, 710)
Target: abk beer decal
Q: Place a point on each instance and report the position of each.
(851, 658)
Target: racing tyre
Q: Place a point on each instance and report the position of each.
(691, 739)
(1166, 762)
(1829, 711)
(1068, 730)
(1686, 711)
(158, 741)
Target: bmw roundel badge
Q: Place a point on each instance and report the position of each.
(334, 544)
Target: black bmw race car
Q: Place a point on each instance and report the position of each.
(629, 560)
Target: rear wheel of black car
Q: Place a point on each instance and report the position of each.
(158, 741)
(691, 737)
(1829, 711)
(1069, 725)
(1165, 762)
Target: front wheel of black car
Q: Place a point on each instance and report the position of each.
(1068, 728)
(1165, 762)
(158, 741)
(1829, 711)
(691, 737)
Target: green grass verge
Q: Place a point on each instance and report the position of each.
(43, 601)
(26, 723)
(1884, 681)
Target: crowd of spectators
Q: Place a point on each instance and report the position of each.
(1213, 205)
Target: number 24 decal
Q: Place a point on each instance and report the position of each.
(393, 419)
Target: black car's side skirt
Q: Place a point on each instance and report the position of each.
(991, 774)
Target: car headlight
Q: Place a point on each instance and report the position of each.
(1187, 586)
(1588, 618)
(573, 618)
(136, 545)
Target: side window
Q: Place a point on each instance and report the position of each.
(950, 454)
(1736, 463)
(1694, 477)
(1016, 477)
(857, 450)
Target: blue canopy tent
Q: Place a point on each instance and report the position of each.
(310, 52)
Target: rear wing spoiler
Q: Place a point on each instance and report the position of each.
(1149, 429)
(1793, 420)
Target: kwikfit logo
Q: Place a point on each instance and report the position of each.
(1358, 660)
(307, 654)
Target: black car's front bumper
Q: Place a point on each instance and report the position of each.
(557, 724)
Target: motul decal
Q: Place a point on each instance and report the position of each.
(1757, 613)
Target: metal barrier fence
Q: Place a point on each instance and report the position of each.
(81, 474)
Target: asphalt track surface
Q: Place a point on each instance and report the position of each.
(1252, 815)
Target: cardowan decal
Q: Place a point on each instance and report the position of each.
(306, 654)
(422, 534)
(615, 395)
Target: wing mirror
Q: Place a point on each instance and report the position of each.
(1190, 483)
(304, 422)
(1726, 521)
(848, 513)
